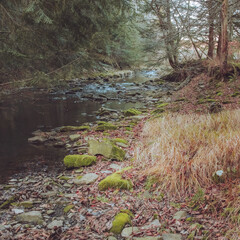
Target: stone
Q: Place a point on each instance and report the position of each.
(115, 166)
(104, 126)
(115, 181)
(107, 149)
(74, 128)
(86, 179)
(153, 224)
(74, 137)
(171, 236)
(50, 212)
(112, 238)
(148, 238)
(119, 222)
(17, 211)
(127, 232)
(36, 140)
(55, 223)
(34, 217)
(77, 161)
(132, 112)
(180, 215)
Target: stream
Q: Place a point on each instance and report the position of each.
(24, 113)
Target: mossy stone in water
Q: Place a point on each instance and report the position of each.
(120, 220)
(78, 161)
(132, 112)
(115, 181)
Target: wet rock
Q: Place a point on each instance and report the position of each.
(107, 149)
(34, 217)
(171, 236)
(86, 179)
(37, 140)
(180, 215)
(74, 128)
(127, 232)
(55, 223)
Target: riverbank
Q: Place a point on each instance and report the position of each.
(76, 203)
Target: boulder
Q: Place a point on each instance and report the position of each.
(107, 149)
(74, 128)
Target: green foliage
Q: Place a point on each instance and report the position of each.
(46, 35)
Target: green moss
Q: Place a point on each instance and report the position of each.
(235, 94)
(68, 208)
(120, 140)
(78, 177)
(129, 128)
(104, 126)
(207, 100)
(132, 112)
(64, 178)
(77, 161)
(7, 203)
(26, 204)
(219, 93)
(158, 111)
(118, 153)
(162, 105)
(119, 222)
(74, 128)
(115, 181)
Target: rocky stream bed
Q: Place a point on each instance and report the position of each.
(97, 195)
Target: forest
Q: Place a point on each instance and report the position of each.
(119, 119)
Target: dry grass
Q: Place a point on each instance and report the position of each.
(184, 151)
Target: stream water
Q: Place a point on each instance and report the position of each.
(22, 114)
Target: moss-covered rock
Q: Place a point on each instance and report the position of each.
(107, 149)
(64, 178)
(26, 204)
(74, 128)
(131, 112)
(162, 105)
(119, 222)
(7, 203)
(104, 126)
(120, 140)
(157, 111)
(68, 208)
(77, 161)
(115, 181)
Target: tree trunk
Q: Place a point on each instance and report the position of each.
(224, 37)
(211, 29)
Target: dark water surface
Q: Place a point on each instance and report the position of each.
(22, 114)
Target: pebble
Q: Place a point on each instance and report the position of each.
(55, 223)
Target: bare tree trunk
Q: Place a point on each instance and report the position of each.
(211, 29)
(224, 37)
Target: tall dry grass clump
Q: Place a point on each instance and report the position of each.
(185, 151)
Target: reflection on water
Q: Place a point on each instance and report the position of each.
(19, 118)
